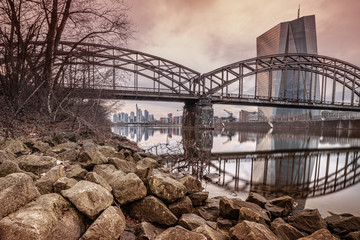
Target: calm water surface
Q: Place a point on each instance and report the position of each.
(320, 169)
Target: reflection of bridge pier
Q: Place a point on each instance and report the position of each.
(198, 114)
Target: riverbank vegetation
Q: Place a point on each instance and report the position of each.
(31, 71)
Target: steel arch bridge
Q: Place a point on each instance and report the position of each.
(282, 80)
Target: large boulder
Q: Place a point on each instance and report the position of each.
(210, 233)
(69, 227)
(320, 235)
(108, 151)
(16, 190)
(49, 217)
(246, 230)
(15, 147)
(7, 167)
(152, 209)
(257, 199)
(280, 207)
(108, 172)
(64, 183)
(89, 198)
(146, 231)
(77, 172)
(37, 146)
(145, 167)
(192, 184)
(183, 205)
(96, 178)
(36, 164)
(128, 189)
(308, 220)
(5, 156)
(343, 224)
(109, 225)
(166, 188)
(251, 215)
(46, 182)
(285, 231)
(191, 221)
(179, 233)
(90, 155)
(123, 165)
(199, 198)
(230, 208)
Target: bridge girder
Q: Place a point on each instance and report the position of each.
(217, 83)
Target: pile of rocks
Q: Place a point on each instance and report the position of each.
(65, 188)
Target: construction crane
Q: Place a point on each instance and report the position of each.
(230, 118)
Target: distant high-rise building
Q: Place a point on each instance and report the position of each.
(297, 36)
(146, 116)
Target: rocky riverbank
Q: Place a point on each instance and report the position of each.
(65, 187)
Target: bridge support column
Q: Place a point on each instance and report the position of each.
(198, 114)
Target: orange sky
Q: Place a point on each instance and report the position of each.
(207, 34)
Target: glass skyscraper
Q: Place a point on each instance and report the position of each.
(297, 36)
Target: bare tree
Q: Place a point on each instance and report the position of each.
(28, 76)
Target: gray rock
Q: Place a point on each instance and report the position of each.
(210, 233)
(36, 164)
(37, 146)
(319, 235)
(16, 190)
(46, 182)
(230, 208)
(144, 167)
(179, 233)
(76, 172)
(5, 156)
(90, 155)
(199, 198)
(285, 231)
(7, 167)
(70, 155)
(70, 227)
(342, 225)
(89, 198)
(63, 183)
(108, 172)
(308, 220)
(15, 147)
(96, 178)
(285, 204)
(192, 184)
(109, 225)
(257, 199)
(251, 231)
(145, 231)
(166, 188)
(183, 205)
(40, 219)
(152, 209)
(128, 189)
(123, 165)
(191, 221)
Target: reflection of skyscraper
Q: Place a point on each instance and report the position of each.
(297, 36)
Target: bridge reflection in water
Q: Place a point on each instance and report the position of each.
(300, 173)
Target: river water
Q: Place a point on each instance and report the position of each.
(320, 169)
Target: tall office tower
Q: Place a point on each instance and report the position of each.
(297, 36)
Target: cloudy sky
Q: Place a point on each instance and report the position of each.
(207, 34)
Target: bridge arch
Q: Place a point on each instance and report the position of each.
(96, 66)
(328, 81)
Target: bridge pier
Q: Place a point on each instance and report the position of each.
(198, 114)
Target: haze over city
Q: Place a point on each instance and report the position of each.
(208, 34)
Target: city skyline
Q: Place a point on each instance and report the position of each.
(205, 35)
